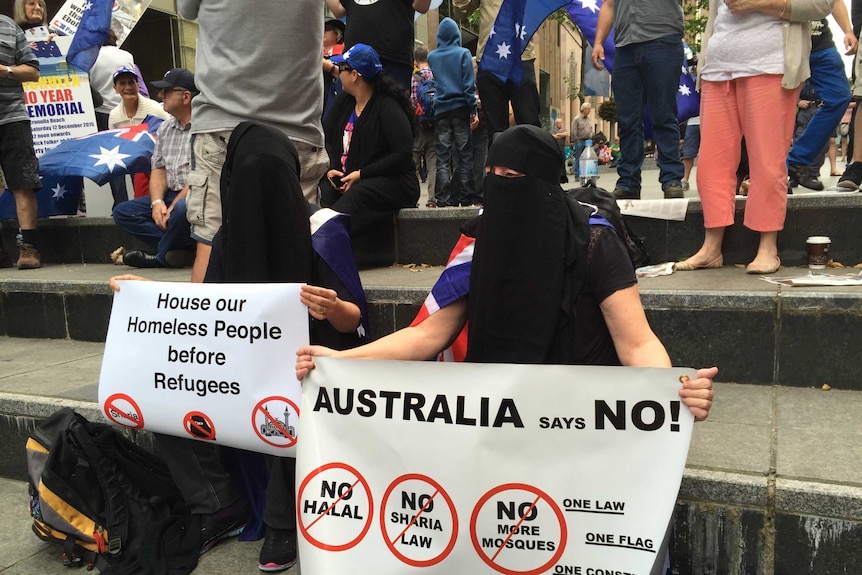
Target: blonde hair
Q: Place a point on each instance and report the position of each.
(21, 18)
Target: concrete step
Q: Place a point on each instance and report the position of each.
(427, 235)
(756, 332)
(771, 486)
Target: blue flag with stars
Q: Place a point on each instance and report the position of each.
(91, 34)
(515, 24)
(585, 14)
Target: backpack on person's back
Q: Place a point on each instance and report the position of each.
(606, 206)
(108, 502)
(426, 89)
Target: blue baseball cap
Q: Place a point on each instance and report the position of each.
(124, 70)
(362, 58)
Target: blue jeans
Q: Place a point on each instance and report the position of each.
(136, 217)
(830, 84)
(453, 139)
(647, 73)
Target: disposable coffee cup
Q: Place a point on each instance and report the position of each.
(818, 252)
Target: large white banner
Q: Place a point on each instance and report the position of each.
(212, 362)
(409, 467)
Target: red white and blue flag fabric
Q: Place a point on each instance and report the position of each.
(516, 23)
(92, 32)
(59, 196)
(103, 155)
(454, 283)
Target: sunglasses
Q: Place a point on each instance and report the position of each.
(344, 68)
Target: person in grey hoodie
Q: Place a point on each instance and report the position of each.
(454, 112)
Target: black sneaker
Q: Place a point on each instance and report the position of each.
(223, 524)
(139, 259)
(279, 550)
(852, 178)
(808, 178)
(624, 194)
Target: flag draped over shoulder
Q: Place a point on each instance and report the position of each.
(516, 23)
(91, 34)
(585, 14)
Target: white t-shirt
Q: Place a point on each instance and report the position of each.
(119, 119)
(744, 45)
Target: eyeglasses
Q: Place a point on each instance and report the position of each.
(344, 68)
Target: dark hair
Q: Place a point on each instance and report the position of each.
(420, 54)
(384, 84)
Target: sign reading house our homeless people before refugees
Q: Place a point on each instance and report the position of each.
(212, 362)
(424, 467)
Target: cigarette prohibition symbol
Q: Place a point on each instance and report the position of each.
(419, 522)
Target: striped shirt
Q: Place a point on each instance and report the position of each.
(14, 50)
(174, 152)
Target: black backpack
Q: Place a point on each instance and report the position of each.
(108, 502)
(606, 205)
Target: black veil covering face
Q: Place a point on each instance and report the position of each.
(265, 236)
(530, 256)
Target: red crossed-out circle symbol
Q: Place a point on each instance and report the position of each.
(199, 425)
(122, 410)
(425, 514)
(270, 420)
(335, 507)
(507, 508)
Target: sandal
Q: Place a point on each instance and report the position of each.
(760, 270)
(686, 266)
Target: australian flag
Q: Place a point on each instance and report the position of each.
(516, 23)
(91, 34)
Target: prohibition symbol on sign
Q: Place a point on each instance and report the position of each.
(270, 420)
(122, 409)
(517, 529)
(199, 425)
(335, 507)
(418, 520)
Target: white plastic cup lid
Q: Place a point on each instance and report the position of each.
(819, 240)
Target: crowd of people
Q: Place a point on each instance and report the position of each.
(245, 172)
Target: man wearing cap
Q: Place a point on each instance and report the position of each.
(17, 156)
(160, 219)
(240, 81)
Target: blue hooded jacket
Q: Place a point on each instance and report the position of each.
(452, 66)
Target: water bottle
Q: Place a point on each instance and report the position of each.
(589, 165)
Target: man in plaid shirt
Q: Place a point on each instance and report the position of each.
(160, 219)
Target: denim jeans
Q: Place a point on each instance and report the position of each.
(136, 217)
(647, 73)
(830, 83)
(453, 139)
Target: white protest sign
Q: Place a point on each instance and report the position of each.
(213, 362)
(483, 468)
(124, 15)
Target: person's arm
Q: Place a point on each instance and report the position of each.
(158, 187)
(603, 28)
(324, 304)
(638, 346)
(420, 342)
(397, 140)
(842, 17)
(336, 8)
(116, 286)
(791, 10)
